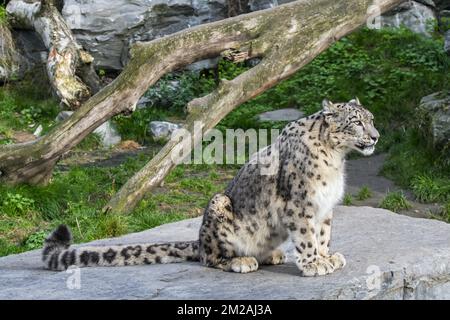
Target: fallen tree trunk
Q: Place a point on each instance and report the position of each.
(289, 37)
(286, 38)
(67, 62)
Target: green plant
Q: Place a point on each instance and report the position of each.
(35, 240)
(348, 200)
(413, 164)
(30, 115)
(3, 15)
(135, 127)
(229, 70)
(21, 107)
(395, 201)
(364, 193)
(91, 142)
(174, 91)
(429, 189)
(15, 203)
(446, 212)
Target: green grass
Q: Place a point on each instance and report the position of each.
(3, 17)
(23, 109)
(413, 164)
(446, 212)
(395, 201)
(364, 193)
(430, 189)
(75, 198)
(348, 200)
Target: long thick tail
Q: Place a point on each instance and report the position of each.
(57, 254)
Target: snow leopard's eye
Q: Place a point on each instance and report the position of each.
(358, 123)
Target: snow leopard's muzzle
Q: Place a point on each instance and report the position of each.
(366, 146)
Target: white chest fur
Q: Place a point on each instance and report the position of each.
(328, 191)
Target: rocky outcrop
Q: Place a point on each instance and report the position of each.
(106, 28)
(434, 113)
(415, 15)
(389, 256)
(162, 130)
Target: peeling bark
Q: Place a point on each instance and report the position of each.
(286, 38)
(67, 62)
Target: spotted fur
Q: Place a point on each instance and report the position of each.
(267, 202)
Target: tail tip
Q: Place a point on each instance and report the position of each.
(61, 235)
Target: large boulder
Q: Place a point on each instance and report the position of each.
(107, 28)
(434, 114)
(414, 15)
(389, 256)
(162, 130)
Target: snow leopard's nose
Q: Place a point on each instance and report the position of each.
(374, 135)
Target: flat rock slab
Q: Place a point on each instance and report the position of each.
(281, 115)
(389, 256)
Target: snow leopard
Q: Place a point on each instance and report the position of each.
(286, 190)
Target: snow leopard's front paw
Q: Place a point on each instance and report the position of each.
(337, 260)
(244, 264)
(276, 257)
(319, 267)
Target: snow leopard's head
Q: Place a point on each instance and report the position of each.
(351, 126)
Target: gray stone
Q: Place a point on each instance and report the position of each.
(143, 102)
(33, 52)
(256, 5)
(203, 64)
(162, 130)
(289, 114)
(434, 113)
(107, 131)
(106, 28)
(413, 15)
(63, 115)
(38, 131)
(389, 256)
(108, 134)
(447, 42)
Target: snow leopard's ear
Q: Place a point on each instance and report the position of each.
(328, 107)
(355, 101)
